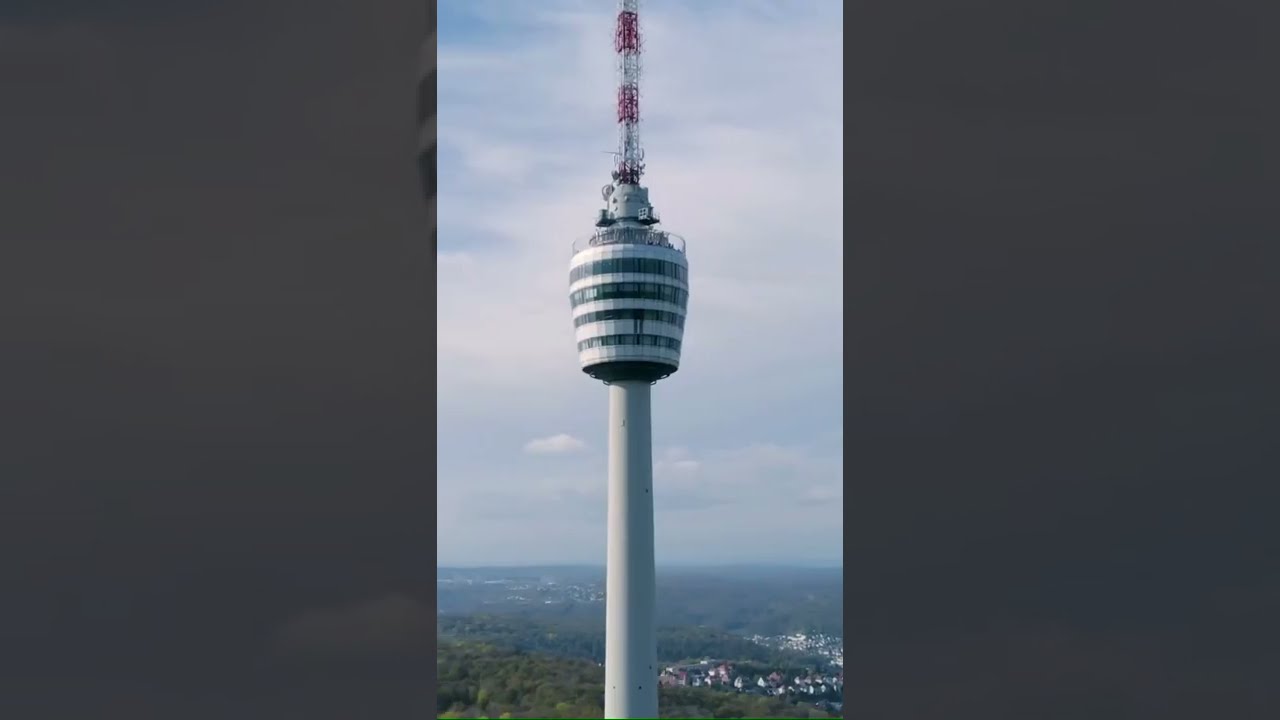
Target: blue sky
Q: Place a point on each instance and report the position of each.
(742, 107)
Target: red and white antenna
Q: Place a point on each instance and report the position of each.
(626, 41)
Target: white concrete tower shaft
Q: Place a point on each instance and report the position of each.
(631, 675)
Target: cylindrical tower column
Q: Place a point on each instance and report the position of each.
(631, 675)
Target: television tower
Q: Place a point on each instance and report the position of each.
(628, 287)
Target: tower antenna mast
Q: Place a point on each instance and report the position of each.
(626, 42)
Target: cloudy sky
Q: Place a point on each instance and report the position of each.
(742, 113)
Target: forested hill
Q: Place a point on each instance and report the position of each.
(584, 639)
(478, 680)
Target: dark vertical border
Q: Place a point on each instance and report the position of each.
(426, 109)
(217, 442)
(1064, 400)
(426, 116)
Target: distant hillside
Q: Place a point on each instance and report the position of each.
(744, 600)
(479, 680)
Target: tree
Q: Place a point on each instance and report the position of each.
(504, 682)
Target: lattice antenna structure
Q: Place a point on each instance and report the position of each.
(626, 42)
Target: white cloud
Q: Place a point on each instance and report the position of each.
(454, 260)
(743, 476)
(717, 502)
(555, 445)
(743, 127)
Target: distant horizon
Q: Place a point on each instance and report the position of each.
(679, 565)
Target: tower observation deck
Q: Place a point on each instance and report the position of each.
(629, 290)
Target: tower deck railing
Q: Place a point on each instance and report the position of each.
(630, 236)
